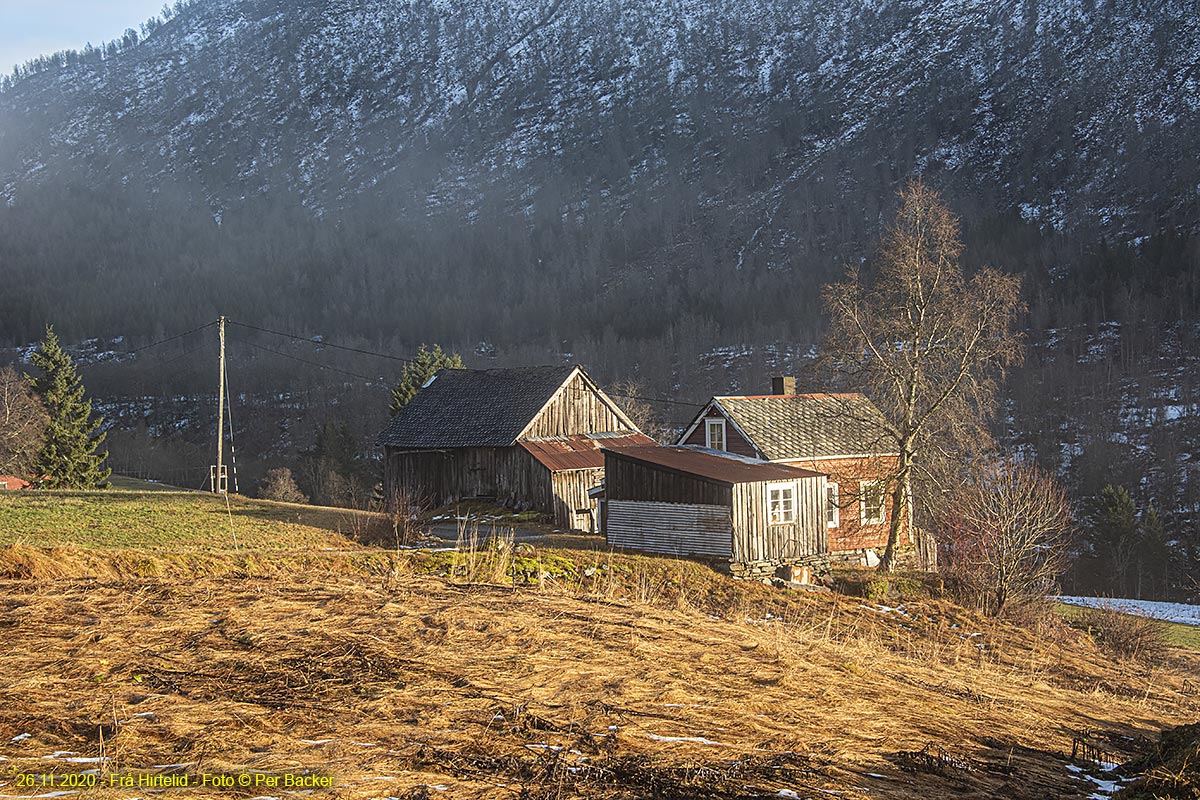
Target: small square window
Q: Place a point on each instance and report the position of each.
(871, 499)
(781, 504)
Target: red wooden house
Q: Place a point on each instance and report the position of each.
(841, 435)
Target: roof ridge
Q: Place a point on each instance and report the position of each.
(799, 395)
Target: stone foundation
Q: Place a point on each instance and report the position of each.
(786, 570)
(907, 558)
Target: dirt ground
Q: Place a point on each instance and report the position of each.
(394, 683)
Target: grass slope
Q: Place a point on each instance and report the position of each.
(608, 676)
(166, 521)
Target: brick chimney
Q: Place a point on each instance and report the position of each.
(783, 384)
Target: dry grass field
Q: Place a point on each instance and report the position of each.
(416, 675)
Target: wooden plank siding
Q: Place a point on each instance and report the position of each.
(755, 539)
(649, 507)
(634, 480)
(573, 509)
(508, 474)
(575, 408)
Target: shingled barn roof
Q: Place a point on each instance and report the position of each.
(474, 408)
(786, 427)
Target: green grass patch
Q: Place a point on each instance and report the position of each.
(167, 521)
(1174, 633)
(878, 587)
(126, 483)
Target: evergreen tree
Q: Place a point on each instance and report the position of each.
(1154, 557)
(1114, 533)
(418, 371)
(69, 457)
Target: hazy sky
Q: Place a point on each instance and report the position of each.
(31, 28)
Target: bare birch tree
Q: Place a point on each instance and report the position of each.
(1006, 535)
(926, 344)
(22, 423)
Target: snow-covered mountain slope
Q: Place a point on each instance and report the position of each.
(1074, 113)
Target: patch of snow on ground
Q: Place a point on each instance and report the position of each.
(696, 739)
(1167, 612)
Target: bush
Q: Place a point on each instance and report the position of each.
(1125, 634)
(278, 484)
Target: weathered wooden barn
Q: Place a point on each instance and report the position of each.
(685, 502)
(525, 438)
(842, 435)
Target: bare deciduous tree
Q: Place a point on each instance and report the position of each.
(278, 484)
(1006, 535)
(630, 396)
(22, 423)
(926, 344)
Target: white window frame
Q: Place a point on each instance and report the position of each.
(709, 422)
(790, 518)
(832, 501)
(863, 519)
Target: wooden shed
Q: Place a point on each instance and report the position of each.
(688, 502)
(523, 437)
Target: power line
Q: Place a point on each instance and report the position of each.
(310, 340)
(306, 361)
(657, 400)
(172, 338)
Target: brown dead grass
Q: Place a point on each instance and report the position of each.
(576, 689)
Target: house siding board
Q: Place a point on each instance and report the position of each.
(734, 441)
(508, 474)
(573, 509)
(679, 529)
(757, 540)
(626, 479)
(576, 408)
(850, 533)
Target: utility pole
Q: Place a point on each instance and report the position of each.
(220, 483)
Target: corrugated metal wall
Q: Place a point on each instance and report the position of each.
(754, 539)
(679, 529)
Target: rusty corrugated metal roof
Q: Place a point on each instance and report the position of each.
(581, 451)
(708, 464)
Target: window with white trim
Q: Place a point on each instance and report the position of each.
(832, 511)
(871, 498)
(714, 434)
(781, 503)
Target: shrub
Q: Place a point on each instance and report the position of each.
(1125, 634)
(278, 484)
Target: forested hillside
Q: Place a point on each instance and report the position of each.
(656, 189)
